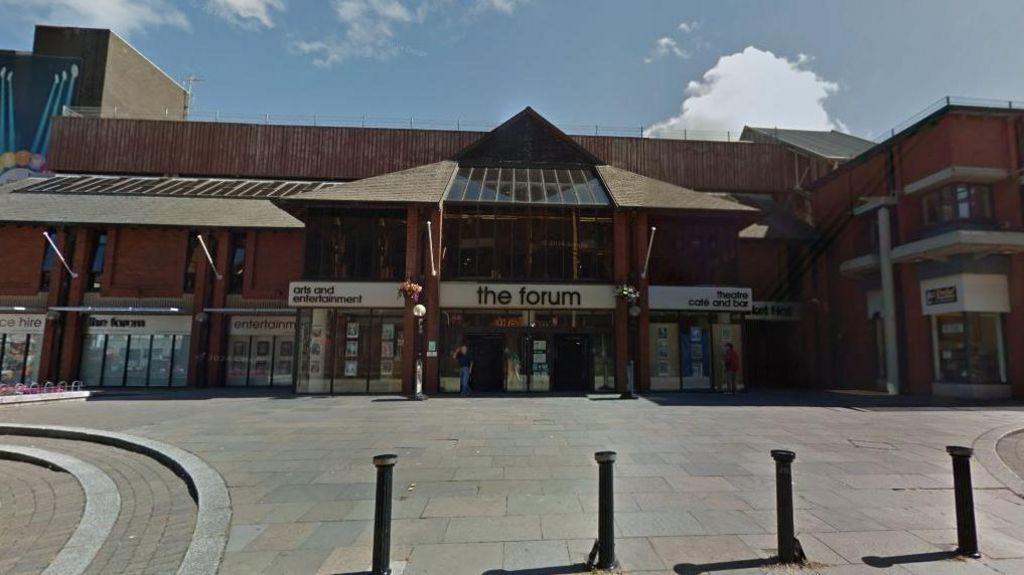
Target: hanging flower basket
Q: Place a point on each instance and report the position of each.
(627, 292)
(410, 289)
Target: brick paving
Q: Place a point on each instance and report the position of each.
(39, 510)
(157, 517)
(508, 484)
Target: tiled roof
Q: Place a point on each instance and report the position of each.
(831, 144)
(631, 190)
(17, 205)
(420, 185)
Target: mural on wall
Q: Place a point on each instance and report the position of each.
(33, 89)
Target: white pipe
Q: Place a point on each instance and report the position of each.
(209, 258)
(59, 255)
(892, 360)
(430, 240)
(647, 260)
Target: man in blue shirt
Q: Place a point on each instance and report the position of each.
(465, 368)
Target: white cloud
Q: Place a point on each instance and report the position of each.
(688, 27)
(757, 88)
(123, 16)
(371, 27)
(247, 12)
(664, 47)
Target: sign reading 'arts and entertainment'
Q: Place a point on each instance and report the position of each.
(344, 294)
(526, 296)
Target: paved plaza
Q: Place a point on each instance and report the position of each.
(506, 484)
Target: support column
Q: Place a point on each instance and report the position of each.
(412, 338)
(642, 323)
(620, 263)
(50, 348)
(197, 346)
(217, 322)
(74, 322)
(431, 369)
(892, 360)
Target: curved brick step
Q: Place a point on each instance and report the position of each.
(39, 511)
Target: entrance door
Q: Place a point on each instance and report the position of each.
(488, 353)
(572, 363)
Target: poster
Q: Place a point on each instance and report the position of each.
(387, 367)
(352, 330)
(387, 349)
(352, 348)
(262, 348)
(540, 345)
(351, 368)
(286, 348)
(387, 331)
(663, 349)
(663, 369)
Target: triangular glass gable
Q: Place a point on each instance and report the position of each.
(527, 139)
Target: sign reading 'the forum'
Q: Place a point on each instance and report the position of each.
(526, 296)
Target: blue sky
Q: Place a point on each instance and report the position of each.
(862, 66)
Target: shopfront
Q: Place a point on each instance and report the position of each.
(136, 350)
(689, 328)
(350, 336)
(966, 314)
(529, 337)
(261, 350)
(21, 338)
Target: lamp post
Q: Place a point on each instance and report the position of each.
(420, 311)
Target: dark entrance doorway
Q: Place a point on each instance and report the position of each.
(572, 369)
(488, 353)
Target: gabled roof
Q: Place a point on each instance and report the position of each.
(422, 185)
(19, 206)
(526, 139)
(631, 190)
(827, 144)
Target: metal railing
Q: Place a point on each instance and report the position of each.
(411, 123)
(946, 102)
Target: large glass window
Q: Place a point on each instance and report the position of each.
(139, 360)
(99, 254)
(48, 260)
(350, 351)
(969, 348)
(237, 274)
(19, 358)
(958, 202)
(193, 253)
(367, 245)
(577, 186)
(488, 241)
(260, 360)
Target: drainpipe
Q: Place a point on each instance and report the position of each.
(892, 360)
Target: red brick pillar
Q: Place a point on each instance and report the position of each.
(1014, 327)
(51, 336)
(74, 322)
(431, 365)
(217, 322)
(197, 358)
(620, 262)
(642, 323)
(412, 260)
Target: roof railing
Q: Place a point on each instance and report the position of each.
(411, 122)
(945, 102)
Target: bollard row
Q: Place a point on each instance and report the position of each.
(602, 556)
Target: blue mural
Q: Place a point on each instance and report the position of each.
(33, 89)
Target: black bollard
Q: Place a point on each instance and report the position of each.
(789, 547)
(966, 530)
(605, 544)
(382, 515)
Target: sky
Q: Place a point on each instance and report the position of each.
(663, 66)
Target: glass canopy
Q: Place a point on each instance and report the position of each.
(571, 187)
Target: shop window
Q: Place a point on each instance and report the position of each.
(368, 245)
(193, 256)
(49, 259)
(958, 203)
(97, 263)
(237, 273)
(19, 358)
(969, 348)
(349, 352)
(140, 360)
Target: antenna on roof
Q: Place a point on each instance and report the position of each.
(190, 83)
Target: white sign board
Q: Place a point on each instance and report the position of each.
(987, 293)
(774, 311)
(526, 296)
(22, 323)
(277, 325)
(344, 294)
(701, 298)
(139, 324)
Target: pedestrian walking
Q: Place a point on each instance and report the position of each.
(732, 366)
(465, 369)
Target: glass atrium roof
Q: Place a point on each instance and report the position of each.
(572, 187)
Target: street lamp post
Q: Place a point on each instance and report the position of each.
(419, 310)
(634, 312)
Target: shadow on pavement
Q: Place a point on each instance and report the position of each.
(893, 560)
(697, 569)
(842, 399)
(563, 570)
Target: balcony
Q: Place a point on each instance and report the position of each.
(978, 243)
